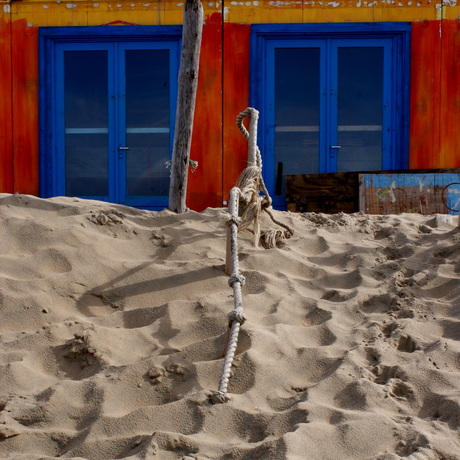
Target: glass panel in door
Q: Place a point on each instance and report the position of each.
(147, 122)
(359, 108)
(86, 123)
(297, 113)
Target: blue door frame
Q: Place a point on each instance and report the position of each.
(53, 43)
(394, 38)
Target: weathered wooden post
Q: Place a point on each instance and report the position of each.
(186, 97)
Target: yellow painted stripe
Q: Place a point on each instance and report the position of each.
(154, 12)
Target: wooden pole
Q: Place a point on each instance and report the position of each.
(186, 97)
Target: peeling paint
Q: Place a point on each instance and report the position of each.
(255, 3)
(391, 192)
(6, 9)
(45, 6)
(70, 5)
(95, 5)
(279, 3)
(333, 4)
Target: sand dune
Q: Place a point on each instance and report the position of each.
(113, 324)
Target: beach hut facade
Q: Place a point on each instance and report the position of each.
(88, 93)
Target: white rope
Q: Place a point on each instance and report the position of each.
(246, 194)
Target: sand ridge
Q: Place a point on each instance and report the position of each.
(114, 322)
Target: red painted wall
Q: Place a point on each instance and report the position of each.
(6, 125)
(236, 99)
(19, 168)
(425, 95)
(223, 92)
(24, 58)
(449, 154)
(205, 184)
(435, 95)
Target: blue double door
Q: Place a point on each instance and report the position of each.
(113, 120)
(330, 105)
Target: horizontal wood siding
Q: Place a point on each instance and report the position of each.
(25, 107)
(6, 126)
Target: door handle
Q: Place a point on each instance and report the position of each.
(120, 151)
(332, 150)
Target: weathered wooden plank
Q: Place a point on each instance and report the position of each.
(205, 184)
(6, 126)
(24, 55)
(423, 193)
(186, 98)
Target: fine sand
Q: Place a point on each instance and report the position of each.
(114, 320)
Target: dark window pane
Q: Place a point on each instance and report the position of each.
(360, 108)
(147, 122)
(297, 74)
(86, 128)
(147, 174)
(147, 88)
(86, 167)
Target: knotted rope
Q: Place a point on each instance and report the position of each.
(247, 196)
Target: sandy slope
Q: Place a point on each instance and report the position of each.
(113, 323)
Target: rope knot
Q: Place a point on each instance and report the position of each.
(236, 278)
(236, 315)
(219, 397)
(233, 220)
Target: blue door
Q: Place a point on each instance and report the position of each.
(111, 120)
(329, 103)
